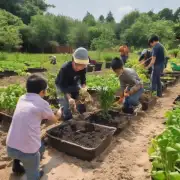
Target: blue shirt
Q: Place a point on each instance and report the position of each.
(158, 52)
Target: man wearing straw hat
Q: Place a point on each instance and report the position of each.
(70, 79)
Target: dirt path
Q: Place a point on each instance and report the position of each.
(125, 159)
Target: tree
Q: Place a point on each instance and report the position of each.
(79, 36)
(144, 27)
(137, 34)
(177, 30)
(24, 8)
(106, 40)
(166, 14)
(43, 31)
(177, 15)
(89, 19)
(110, 17)
(127, 21)
(62, 28)
(101, 19)
(9, 31)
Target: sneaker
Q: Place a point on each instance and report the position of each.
(41, 174)
(137, 108)
(17, 167)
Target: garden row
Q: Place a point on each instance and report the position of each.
(89, 138)
(165, 148)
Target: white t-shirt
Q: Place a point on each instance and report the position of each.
(25, 133)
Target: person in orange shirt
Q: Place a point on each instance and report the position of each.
(124, 52)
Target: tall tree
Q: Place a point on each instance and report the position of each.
(89, 19)
(79, 36)
(43, 31)
(24, 8)
(166, 14)
(177, 15)
(110, 17)
(101, 19)
(9, 31)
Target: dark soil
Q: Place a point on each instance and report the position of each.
(177, 100)
(87, 135)
(113, 119)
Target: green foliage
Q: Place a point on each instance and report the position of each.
(51, 92)
(9, 31)
(108, 80)
(110, 18)
(174, 52)
(106, 98)
(177, 15)
(108, 58)
(101, 19)
(9, 97)
(24, 9)
(166, 14)
(42, 30)
(165, 149)
(105, 40)
(144, 27)
(128, 20)
(89, 19)
(79, 36)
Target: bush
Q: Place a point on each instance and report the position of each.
(107, 58)
(174, 52)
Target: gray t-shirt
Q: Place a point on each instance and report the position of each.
(129, 78)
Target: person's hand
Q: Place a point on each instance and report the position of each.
(72, 103)
(59, 113)
(126, 92)
(121, 99)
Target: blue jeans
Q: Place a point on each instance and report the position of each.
(156, 79)
(133, 100)
(124, 59)
(30, 162)
(63, 101)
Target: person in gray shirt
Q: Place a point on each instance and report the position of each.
(131, 84)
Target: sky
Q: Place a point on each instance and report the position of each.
(78, 8)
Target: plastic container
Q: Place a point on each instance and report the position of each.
(175, 67)
(76, 150)
(98, 66)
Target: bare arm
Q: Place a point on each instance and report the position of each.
(153, 60)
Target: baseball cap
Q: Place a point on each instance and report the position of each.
(81, 56)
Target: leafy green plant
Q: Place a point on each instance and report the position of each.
(108, 58)
(106, 98)
(51, 86)
(165, 149)
(9, 97)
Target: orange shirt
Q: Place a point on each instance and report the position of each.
(124, 51)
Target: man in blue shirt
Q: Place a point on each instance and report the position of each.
(157, 64)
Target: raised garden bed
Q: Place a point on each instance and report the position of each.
(98, 66)
(169, 82)
(92, 91)
(36, 70)
(80, 139)
(147, 101)
(90, 68)
(114, 119)
(7, 73)
(5, 117)
(108, 65)
(177, 100)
